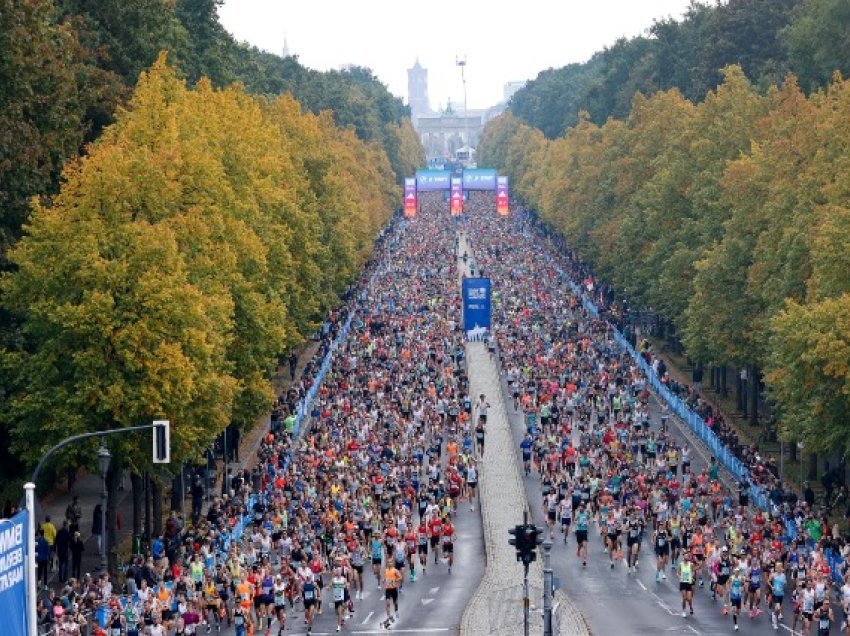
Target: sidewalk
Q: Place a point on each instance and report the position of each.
(88, 487)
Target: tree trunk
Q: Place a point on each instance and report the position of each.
(156, 495)
(176, 485)
(138, 485)
(739, 391)
(113, 477)
(148, 529)
(723, 390)
(754, 395)
(813, 467)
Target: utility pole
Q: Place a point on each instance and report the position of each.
(462, 64)
(547, 587)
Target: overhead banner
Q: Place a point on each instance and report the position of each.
(502, 196)
(430, 180)
(457, 196)
(409, 196)
(476, 307)
(479, 179)
(13, 588)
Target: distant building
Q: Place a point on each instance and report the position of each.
(443, 132)
(511, 88)
(417, 92)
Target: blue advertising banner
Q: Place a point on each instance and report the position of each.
(429, 180)
(479, 179)
(476, 307)
(13, 588)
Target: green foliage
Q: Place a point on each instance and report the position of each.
(687, 55)
(42, 106)
(727, 217)
(204, 233)
(818, 40)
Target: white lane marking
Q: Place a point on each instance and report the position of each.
(692, 629)
(643, 587)
(434, 590)
(425, 601)
(421, 630)
(366, 620)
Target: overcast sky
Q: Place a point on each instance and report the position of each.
(501, 42)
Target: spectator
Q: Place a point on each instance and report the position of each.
(63, 550)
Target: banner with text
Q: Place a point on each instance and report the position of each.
(430, 180)
(13, 587)
(457, 196)
(410, 196)
(502, 196)
(476, 307)
(479, 179)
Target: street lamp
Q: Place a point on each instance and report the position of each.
(462, 64)
(103, 459)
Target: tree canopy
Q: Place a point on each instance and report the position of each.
(726, 216)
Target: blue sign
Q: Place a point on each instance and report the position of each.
(13, 566)
(479, 179)
(427, 180)
(476, 307)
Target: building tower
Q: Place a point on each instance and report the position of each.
(417, 92)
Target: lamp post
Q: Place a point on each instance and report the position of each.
(462, 64)
(103, 459)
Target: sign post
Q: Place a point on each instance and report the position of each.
(502, 196)
(18, 596)
(410, 197)
(476, 307)
(457, 197)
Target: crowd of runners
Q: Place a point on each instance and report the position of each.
(369, 492)
(366, 496)
(614, 477)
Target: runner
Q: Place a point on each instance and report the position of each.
(777, 589)
(392, 580)
(686, 583)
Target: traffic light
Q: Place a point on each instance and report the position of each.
(161, 442)
(516, 540)
(526, 537)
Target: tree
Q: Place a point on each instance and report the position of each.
(818, 41)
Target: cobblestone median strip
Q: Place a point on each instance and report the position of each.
(496, 607)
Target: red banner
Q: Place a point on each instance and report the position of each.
(457, 196)
(502, 197)
(409, 197)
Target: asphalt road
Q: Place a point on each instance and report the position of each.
(616, 602)
(433, 604)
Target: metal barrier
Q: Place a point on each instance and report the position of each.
(681, 409)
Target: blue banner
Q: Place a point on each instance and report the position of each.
(479, 179)
(476, 307)
(428, 180)
(13, 587)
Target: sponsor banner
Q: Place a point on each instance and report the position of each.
(502, 196)
(457, 196)
(409, 196)
(13, 565)
(476, 307)
(479, 179)
(430, 180)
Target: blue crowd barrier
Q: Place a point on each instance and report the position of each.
(680, 408)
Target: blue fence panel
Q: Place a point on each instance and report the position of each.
(679, 407)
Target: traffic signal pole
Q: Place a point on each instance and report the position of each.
(525, 538)
(526, 605)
